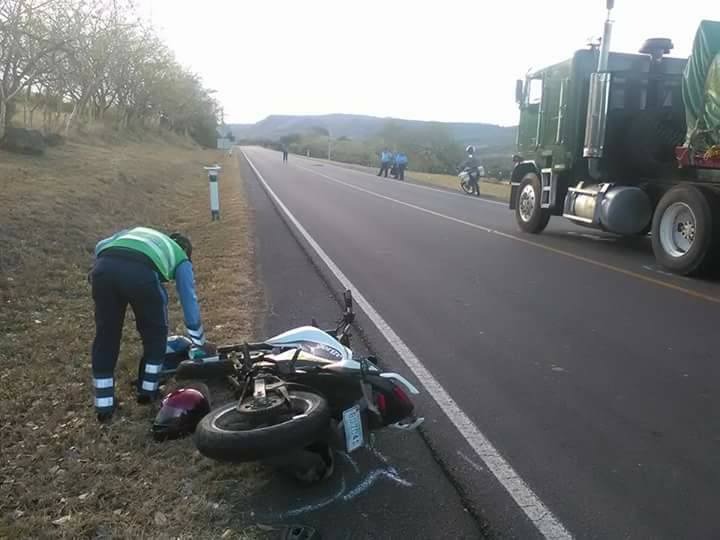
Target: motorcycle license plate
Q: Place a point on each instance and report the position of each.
(352, 423)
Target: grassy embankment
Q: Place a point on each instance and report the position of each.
(61, 474)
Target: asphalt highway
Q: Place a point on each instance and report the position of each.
(577, 380)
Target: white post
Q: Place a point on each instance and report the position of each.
(213, 173)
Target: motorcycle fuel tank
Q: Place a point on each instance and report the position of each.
(314, 341)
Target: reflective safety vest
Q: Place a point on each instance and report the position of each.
(162, 250)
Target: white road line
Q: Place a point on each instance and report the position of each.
(410, 184)
(536, 511)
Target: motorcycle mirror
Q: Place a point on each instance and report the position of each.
(610, 4)
(518, 91)
(347, 296)
(349, 316)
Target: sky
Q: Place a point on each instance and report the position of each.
(443, 60)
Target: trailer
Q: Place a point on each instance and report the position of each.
(628, 144)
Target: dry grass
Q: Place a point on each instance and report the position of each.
(62, 475)
(491, 188)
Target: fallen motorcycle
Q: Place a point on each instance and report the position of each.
(298, 389)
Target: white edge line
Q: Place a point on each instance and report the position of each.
(411, 184)
(536, 511)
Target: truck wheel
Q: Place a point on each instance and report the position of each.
(528, 214)
(684, 231)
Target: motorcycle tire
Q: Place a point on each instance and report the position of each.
(226, 434)
(467, 188)
(193, 369)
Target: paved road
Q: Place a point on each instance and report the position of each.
(367, 495)
(591, 372)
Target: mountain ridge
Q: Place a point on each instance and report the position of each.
(355, 126)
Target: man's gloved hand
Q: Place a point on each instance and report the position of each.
(203, 351)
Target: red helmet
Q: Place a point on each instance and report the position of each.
(181, 411)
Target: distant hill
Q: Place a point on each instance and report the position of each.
(362, 127)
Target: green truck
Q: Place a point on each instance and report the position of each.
(628, 144)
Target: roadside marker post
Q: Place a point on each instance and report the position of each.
(213, 174)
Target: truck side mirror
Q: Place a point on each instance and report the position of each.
(519, 91)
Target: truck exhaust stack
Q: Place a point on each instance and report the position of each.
(596, 121)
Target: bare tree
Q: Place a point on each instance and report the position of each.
(31, 32)
(83, 58)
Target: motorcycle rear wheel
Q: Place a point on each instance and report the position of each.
(227, 434)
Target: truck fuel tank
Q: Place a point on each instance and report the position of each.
(623, 210)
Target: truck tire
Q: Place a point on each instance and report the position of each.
(685, 230)
(528, 214)
(226, 434)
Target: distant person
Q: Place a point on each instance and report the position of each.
(401, 161)
(385, 162)
(285, 154)
(472, 165)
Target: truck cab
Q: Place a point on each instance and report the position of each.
(597, 140)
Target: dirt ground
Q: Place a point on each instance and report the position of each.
(61, 474)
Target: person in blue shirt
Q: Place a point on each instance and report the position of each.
(386, 159)
(130, 268)
(401, 161)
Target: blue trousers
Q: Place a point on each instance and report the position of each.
(117, 282)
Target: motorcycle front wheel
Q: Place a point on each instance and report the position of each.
(466, 187)
(227, 434)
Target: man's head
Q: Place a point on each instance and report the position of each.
(470, 150)
(182, 241)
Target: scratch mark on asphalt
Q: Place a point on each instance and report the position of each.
(318, 505)
(342, 494)
(370, 479)
(470, 462)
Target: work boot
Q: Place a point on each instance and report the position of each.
(146, 399)
(105, 417)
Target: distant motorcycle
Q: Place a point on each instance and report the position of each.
(465, 178)
(296, 389)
